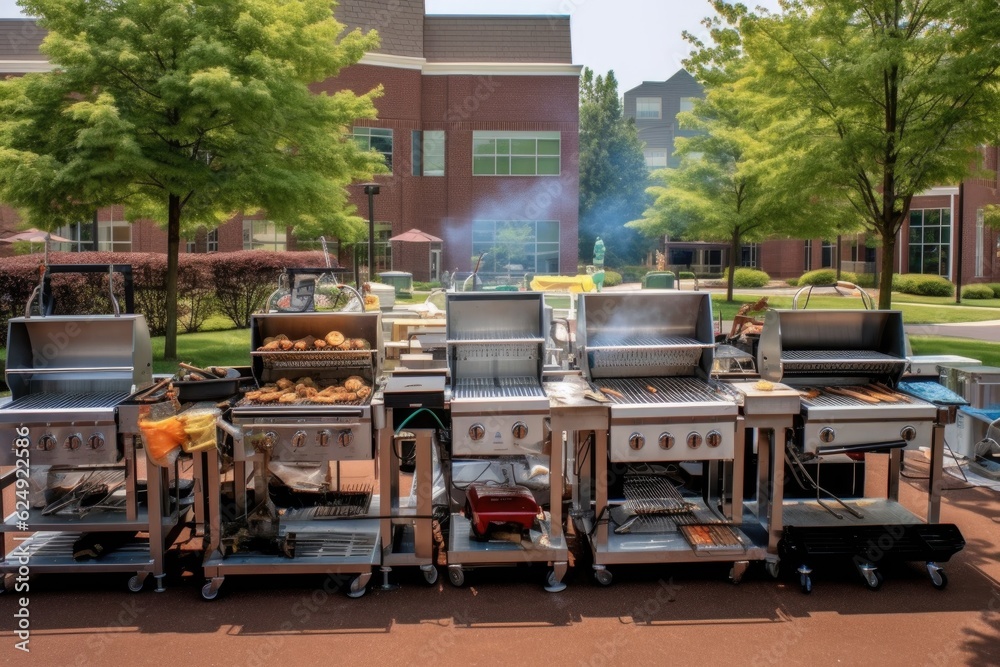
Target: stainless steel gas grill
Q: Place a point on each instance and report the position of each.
(314, 406)
(496, 352)
(72, 378)
(846, 365)
(649, 355)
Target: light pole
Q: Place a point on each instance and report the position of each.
(371, 189)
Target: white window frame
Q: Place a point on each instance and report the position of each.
(648, 108)
(980, 243)
(656, 158)
(493, 153)
(250, 234)
(364, 136)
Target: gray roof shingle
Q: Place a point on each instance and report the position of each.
(19, 39)
(515, 39)
(399, 23)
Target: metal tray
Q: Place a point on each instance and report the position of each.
(206, 390)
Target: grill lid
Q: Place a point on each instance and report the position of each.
(806, 345)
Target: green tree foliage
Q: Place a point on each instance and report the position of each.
(884, 98)
(186, 111)
(613, 174)
(731, 185)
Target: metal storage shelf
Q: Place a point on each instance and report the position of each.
(52, 553)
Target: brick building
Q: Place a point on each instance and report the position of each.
(479, 122)
(929, 241)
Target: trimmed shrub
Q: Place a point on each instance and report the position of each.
(194, 282)
(977, 292)
(996, 290)
(632, 274)
(746, 278)
(866, 280)
(792, 282)
(826, 277)
(686, 275)
(612, 278)
(421, 286)
(923, 285)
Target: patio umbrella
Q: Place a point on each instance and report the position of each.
(415, 236)
(36, 236)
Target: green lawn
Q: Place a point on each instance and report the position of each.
(206, 348)
(988, 353)
(898, 297)
(913, 313)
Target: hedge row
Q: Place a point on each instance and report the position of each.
(747, 278)
(922, 284)
(234, 284)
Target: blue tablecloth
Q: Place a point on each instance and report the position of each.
(931, 391)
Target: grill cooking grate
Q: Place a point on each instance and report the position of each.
(504, 387)
(350, 501)
(490, 352)
(840, 362)
(668, 390)
(81, 401)
(652, 494)
(495, 334)
(306, 359)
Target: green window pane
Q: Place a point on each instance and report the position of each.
(548, 147)
(915, 259)
(382, 144)
(548, 166)
(522, 166)
(945, 217)
(416, 148)
(381, 132)
(914, 235)
(503, 166)
(932, 218)
(916, 218)
(548, 231)
(484, 166)
(522, 146)
(932, 234)
(483, 147)
(503, 146)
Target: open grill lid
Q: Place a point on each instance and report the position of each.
(828, 345)
(651, 333)
(495, 335)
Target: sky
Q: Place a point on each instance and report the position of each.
(639, 39)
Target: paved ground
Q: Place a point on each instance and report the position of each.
(687, 615)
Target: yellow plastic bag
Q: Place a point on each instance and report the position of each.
(199, 428)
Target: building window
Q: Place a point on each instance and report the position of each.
(428, 152)
(827, 256)
(648, 108)
(656, 158)
(687, 104)
(375, 139)
(211, 243)
(750, 255)
(930, 241)
(264, 235)
(807, 263)
(515, 153)
(114, 235)
(980, 250)
(517, 246)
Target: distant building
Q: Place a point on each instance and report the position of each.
(479, 123)
(928, 242)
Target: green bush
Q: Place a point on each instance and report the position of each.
(686, 275)
(977, 292)
(612, 278)
(922, 285)
(826, 277)
(421, 286)
(633, 274)
(996, 290)
(747, 278)
(865, 280)
(792, 282)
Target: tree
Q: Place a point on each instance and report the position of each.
(730, 185)
(186, 111)
(613, 174)
(884, 98)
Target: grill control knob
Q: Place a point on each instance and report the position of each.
(666, 440)
(636, 441)
(477, 432)
(345, 438)
(519, 430)
(96, 441)
(47, 442)
(299, 439)
(908, 433)
(323, 438)
(74, 441)
(694, 440)
(266, 441)
(827, 435)
(714, 438)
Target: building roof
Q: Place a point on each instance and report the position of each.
(680, 78)
(20, 39)
(511, 39)
(400, 29)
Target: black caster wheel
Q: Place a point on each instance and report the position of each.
(806, 583)
(939, 579)
(456, 576)
(874, 580)
(357, 588)
(135, 583)
(430, 575)
(209, 592)
(603, 577)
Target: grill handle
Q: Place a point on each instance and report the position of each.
(866, 299)
(47, 302)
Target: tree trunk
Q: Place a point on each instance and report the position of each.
(173, 248)
(885, 278)
(733, 251)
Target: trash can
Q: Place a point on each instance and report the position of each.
(658, 280)
(402, 281)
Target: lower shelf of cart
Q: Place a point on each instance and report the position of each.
(53, 552)
(463, 548)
